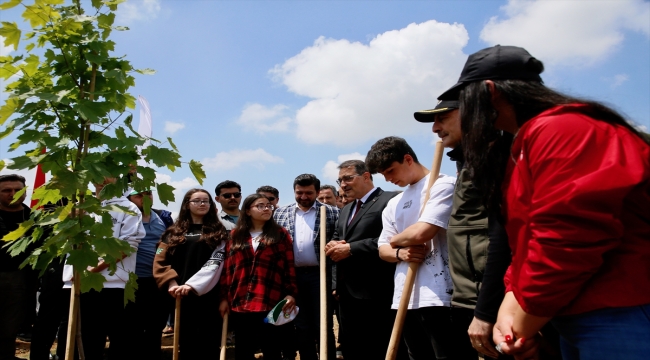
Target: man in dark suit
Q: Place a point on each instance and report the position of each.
(364, 283)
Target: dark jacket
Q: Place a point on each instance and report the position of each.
(468, 236)
(165, 216)
(364, 275)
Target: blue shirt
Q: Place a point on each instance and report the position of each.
(147, 249)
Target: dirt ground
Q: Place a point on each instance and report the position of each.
(22, 348)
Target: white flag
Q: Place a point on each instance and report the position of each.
(145, 127)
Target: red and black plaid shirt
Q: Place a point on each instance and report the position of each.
(256, 281)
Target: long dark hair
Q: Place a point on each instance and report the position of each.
(213, 232)
(487, 150)
(271, 232)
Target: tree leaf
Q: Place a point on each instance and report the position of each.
(9, 4)
(19, 246)
(45, 195)
(146, 205)
(11, 33)
(18, 233)
(111, 246)
(10, 106)
(83, 257)
(146, 71)
(161, 156)
(117, 75)
(197, 170)
(130, 288)
(91, 280)
(105, 20)
(31, 65)
(83, 18)
(172, 144)
(165, 193)
(96, 58)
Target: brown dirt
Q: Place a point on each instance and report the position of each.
(22, 348)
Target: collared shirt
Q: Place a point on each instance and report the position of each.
(363, 201)
(227, 220)
(303, 244)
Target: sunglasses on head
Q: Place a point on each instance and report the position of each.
(236, 195)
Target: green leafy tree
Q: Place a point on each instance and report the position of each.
(69, 107)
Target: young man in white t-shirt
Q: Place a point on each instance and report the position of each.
(408, 236)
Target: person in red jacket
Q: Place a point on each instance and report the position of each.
(258, 273)
(575, 198)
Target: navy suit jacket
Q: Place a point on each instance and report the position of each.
(364, 275)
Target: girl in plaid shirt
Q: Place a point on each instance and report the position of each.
(258, 273)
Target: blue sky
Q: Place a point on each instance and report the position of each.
(262, 91)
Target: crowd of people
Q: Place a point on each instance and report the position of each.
(537, 248)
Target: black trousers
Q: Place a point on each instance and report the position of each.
(251, 334)
(308, 319)
(368, 326)
(14, 308)
(200, 327)
(461, 318)
(426, 333)
(147, 317)
(53, 306)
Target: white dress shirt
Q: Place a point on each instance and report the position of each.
(304, 253)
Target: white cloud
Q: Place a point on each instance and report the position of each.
(331, 172)
(571, 32)
(5, 50)
(618, 80)
(137, 10)
(262, 119)
(367, 91)
(226, 160)
(172, 127)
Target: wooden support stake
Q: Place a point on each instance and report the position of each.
(224, 337)
(177, 327)
(323, 284)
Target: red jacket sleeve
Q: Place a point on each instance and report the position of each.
(574, 173)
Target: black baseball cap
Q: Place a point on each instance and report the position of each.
(496, 63)
(428, 116)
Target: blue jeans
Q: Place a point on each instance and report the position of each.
(613, 333)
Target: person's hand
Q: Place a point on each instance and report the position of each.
(415, 253)
(338, 252)
(480, 334)
(332, 244)
(223, 308)
(289, 305)
(182, 290)
(504, 336)
(335, 295)
(172, 287)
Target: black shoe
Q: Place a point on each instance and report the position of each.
(26, 336)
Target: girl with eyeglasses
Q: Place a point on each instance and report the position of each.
(258, 273)
(188, 264)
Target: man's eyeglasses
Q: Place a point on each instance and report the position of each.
(262, 207)
(346, 179)
(271, 198)
(199, 202)
(236, 195)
